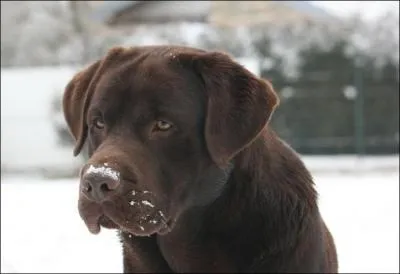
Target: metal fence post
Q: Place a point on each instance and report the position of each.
(359, 110)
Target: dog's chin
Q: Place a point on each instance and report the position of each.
(143, 231)
(108, 216)
(135, 229)
(106, 222)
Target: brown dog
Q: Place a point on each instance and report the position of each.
(183, 164)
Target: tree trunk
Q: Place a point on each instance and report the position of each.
(79, 12)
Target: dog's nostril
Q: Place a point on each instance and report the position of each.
(98, 188)
(110, 185)
(104, 187)
(87, 187)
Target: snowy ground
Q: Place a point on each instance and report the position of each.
(41, 230)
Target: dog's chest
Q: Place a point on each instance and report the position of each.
(195, 256)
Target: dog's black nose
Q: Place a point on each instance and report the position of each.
(97, 186)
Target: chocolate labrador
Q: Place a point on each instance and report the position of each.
(185, 167)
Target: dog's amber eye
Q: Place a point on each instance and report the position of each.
(163, 125)
(98, 123)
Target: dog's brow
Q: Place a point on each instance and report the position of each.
(94, 111)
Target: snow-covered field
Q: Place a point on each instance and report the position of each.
(41, 230)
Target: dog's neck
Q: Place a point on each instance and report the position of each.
(270, 179)
(272, 166)
(268, 169)
(266, 189)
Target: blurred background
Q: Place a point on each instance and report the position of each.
(334, 65)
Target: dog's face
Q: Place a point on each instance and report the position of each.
(162, 125)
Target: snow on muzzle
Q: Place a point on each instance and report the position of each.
(99, 181)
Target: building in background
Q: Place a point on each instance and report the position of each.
(217, 13)
(248, 13)
(131, 13)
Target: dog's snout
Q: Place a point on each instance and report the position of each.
(98, 185)
(98, 189)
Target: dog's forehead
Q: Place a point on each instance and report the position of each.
(152, 73)
(152, 79)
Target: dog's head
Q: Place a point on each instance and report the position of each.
(162, 125)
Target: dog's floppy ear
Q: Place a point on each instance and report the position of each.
(77, 96)
(239, 104)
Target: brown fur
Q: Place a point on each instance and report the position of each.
(235, 197)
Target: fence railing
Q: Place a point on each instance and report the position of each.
(327, 117)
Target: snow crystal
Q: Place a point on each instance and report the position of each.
(145, 202)
(104, 171)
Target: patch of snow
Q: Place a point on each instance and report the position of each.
(145, 202)
(361, 209)
(104, 171)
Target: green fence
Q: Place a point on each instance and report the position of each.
(357, 116)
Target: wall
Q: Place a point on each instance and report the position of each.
(28, 139)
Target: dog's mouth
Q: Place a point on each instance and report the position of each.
(140, 216)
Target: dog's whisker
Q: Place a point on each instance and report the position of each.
(163, 219)
(164, 222)
(161, 214)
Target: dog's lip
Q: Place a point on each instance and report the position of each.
(92, 222)
(166, 227)
(93, 213)
(94, 225)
